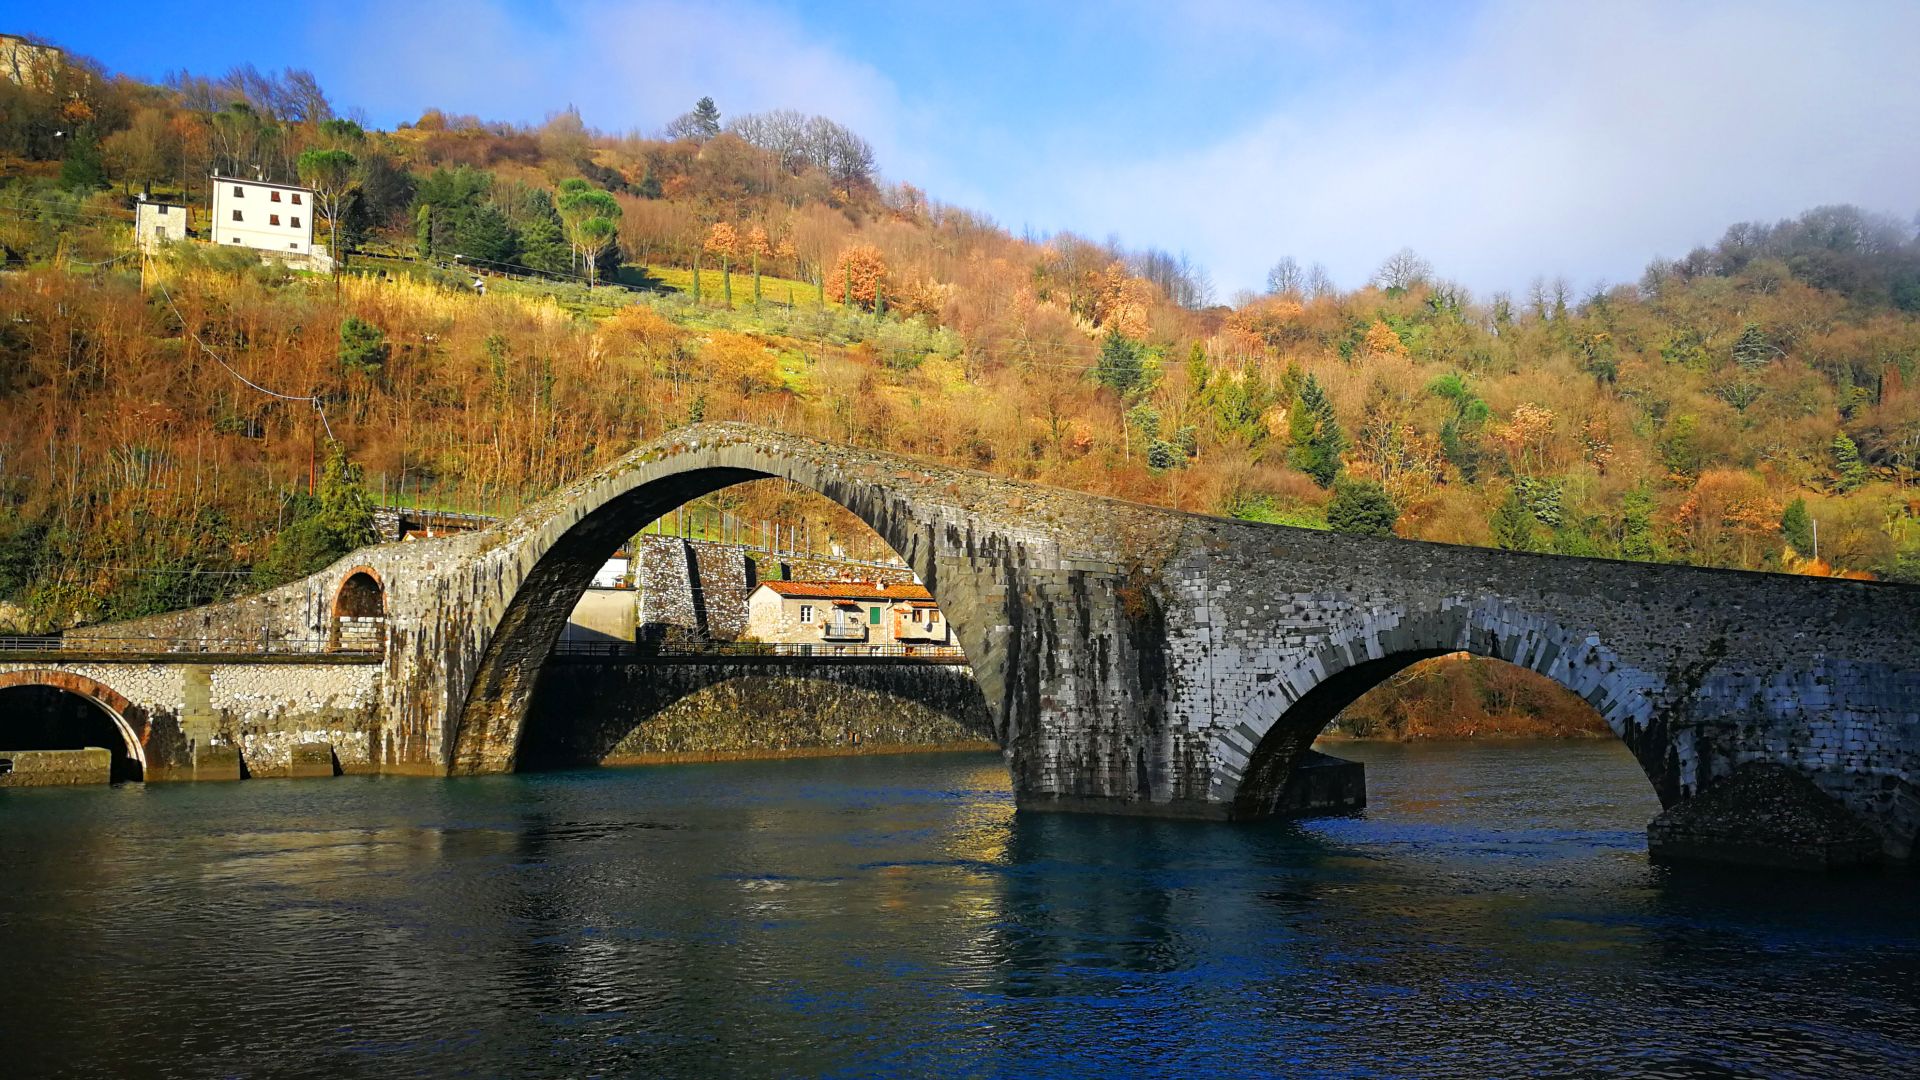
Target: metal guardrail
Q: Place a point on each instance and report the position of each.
(618, 650)
(250, 646)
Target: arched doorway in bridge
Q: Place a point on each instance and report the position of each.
(359, 612)
(60, 711)
(692, 550)
(1439, 694)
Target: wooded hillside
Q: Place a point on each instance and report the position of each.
(1719, 411)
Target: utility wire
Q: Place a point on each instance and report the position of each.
(311, 399)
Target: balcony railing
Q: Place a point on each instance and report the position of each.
(844, 632)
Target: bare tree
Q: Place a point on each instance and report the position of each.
(1319, 282)
(1286, 277)
(1403, 270)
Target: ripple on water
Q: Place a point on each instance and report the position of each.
(1492, 913)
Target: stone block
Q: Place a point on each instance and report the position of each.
(312, 759)
(214, 763)
(55, 768)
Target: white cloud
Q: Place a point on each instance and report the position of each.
(1556, 139)
(1523, 139)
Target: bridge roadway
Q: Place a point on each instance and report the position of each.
(1131, 659)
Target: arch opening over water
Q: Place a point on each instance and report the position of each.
(43, 716)
(1355, 700)
(495, 724)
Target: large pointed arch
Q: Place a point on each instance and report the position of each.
(565, 539)
(1252, 761)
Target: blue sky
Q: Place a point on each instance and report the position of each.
(1503, 140)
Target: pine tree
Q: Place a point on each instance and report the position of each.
(1796, 525)
(1361, 508)
(1512, 524)
(83, 169)
(1121, 367)
(1636, 526)
(706, 117)
(1753, 351)
(1315, 432)
(1849, 470)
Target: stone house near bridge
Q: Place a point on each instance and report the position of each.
(839, 614)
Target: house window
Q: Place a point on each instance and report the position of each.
(275, 196)
(296, 198)
(273, 219)
(239, 192)
(159, 232)
(295, 222)
(236, 215)
(916, 614)
(806, 613)
(932, 617)
(873, 616)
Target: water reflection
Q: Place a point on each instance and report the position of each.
(1492, 914)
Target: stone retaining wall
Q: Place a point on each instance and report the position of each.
(587, 712)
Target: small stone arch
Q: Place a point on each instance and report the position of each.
(359, 611)
(1251, 762)
(128, 718)
(361, 594)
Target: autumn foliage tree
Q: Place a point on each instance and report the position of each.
(723, 243)
(859, 277)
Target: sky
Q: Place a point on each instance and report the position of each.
(1503, 141)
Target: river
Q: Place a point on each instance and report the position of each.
(1492, 914)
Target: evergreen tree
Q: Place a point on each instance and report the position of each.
(1796, 525)
(1513, 524)
(541, 242)
(326, 526)
(706, 117)
(483, 233)
(83, 169)
(1197, 371)
(1753, 351)
(1317, 439)
(1636, 531)
(1122, 366)
(1361, 508)
(1849, 470)
(363, 346)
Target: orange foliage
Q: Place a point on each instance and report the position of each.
(862, 267)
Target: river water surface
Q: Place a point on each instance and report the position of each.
(1492, 914)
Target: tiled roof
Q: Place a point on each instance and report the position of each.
(847, 590)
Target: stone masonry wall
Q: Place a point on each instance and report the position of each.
(586, 712)
(693, 588)
(262, 709)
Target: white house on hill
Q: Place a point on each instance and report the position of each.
(275, 218)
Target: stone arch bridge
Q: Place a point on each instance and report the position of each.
(1132, 659)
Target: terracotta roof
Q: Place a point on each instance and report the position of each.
(846, 590)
